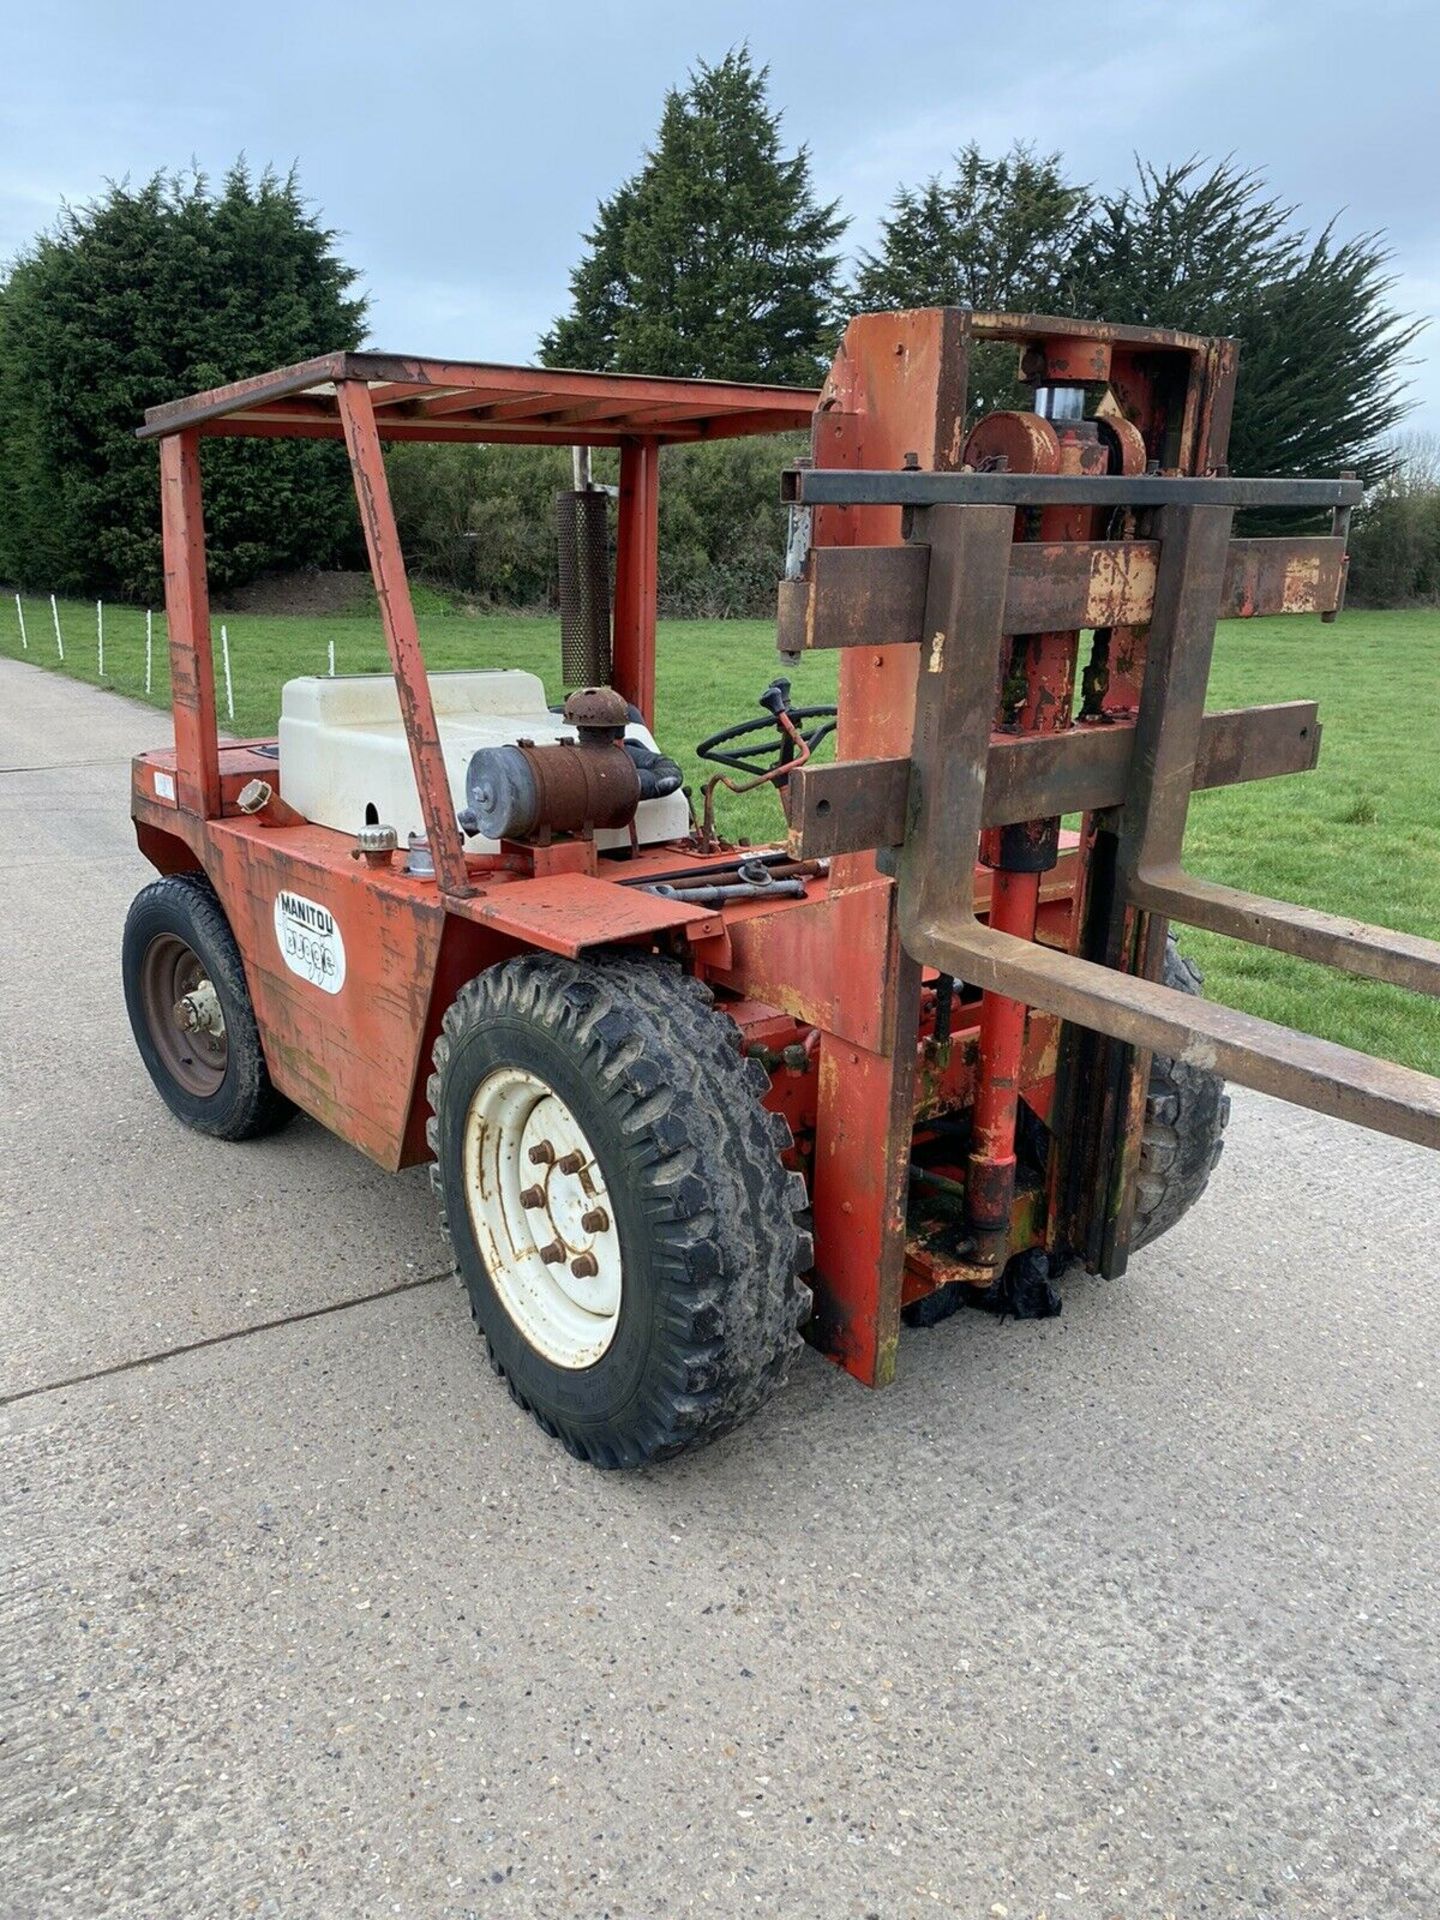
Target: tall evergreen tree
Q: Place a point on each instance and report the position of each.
(145, 295)
(715, 259)
(1204, 248)
(996, 236)
(1322, 351)
(1182, 240)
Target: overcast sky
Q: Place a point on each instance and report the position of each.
(460, 149)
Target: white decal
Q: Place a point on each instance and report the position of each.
(164, 786)
(310, 941)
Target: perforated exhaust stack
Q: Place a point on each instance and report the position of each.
(581, 525)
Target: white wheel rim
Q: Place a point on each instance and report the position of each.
(542, 1218)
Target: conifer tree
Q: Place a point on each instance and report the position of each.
(715, 259)
(145, 295)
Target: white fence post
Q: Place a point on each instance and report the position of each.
(59, 637)
(20, 616)
(332, 656)
(100, 639)
(149, 645)
(229, 687)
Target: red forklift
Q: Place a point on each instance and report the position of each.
(687, 1100)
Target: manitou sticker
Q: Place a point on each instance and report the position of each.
(310, 941)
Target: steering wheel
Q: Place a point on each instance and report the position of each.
(720, 746)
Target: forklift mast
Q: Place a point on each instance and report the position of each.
(959, 572)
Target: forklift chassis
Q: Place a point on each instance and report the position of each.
(898, 1062)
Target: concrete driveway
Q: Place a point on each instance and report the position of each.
(1127, 1613)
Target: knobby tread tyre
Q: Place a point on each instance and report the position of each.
(712, 1226)
(1186, 1112)
(246, 1106)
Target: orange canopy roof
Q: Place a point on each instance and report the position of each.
(471, 400)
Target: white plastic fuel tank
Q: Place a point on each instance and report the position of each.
(344, 759)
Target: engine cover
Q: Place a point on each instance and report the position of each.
(344, 757)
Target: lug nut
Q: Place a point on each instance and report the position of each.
(572, 1163)
(533, 1197)
(542, 1153)
(553, 1254)
(596, 1221)
(585, 1267)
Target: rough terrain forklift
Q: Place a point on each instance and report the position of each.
(688, 1100)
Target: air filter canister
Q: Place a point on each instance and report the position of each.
(517, 792)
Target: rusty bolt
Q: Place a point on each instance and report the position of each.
(596, 1220)
(533, 1197)
(542, 1153)
(585, 1267)
(572, 1163)
(553, 1254)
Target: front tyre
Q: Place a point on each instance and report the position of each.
(1186, 1112)
(614, 1194)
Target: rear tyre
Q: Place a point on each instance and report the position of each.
(614, 1195)
(1186, 1113)
(191, 1011)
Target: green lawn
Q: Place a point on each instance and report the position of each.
(1360, 835)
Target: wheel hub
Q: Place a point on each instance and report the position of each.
(542, 1217)
(200, 1010)
(184, 1016)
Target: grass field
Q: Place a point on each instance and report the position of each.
(1360, 835)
